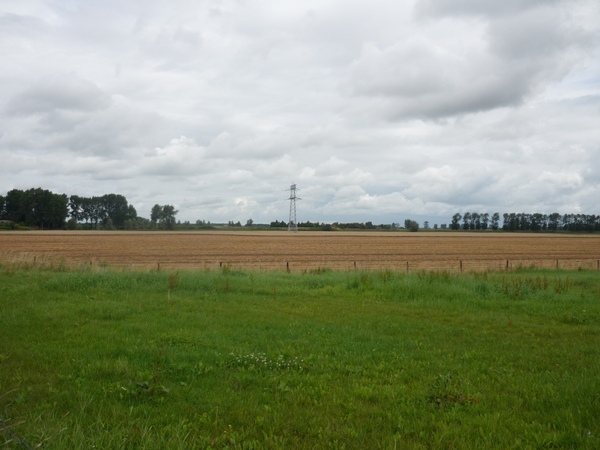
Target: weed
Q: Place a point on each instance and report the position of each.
(385, 275)
(444, 392)
(260, 362)
(562, 285)
(173, 281)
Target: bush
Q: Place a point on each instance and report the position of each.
(72, 224)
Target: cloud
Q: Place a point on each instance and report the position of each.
(59, 92)
(502, 60)
(376, 111)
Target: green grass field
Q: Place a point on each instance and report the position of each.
(108, 359)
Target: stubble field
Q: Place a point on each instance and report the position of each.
(306, 251)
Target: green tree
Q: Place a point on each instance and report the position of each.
(495, 220)
(411, 225)
(455, 225)
(475, 221)
(2, 203)
(163, 217)
(485, 220)
(466, 221)
(116, 208)
(169, 213)
(156, 215)
(36, 207)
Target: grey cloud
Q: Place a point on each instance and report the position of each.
(523, 51)
(375, 112)
(477, 7)
(435, 83)
(59, 92)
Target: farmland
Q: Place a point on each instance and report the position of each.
(93, 356)
(278, 250)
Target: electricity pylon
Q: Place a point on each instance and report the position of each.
(293, 224)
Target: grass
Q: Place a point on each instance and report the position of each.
(231, 359)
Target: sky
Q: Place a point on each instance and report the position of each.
(378, 110)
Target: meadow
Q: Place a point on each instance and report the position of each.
(103, 358)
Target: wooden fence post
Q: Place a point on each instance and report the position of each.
(406, 266)
(461, 265)
(354, 265)
(287, 266)
(158, 267)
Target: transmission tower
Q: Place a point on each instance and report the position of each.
(293, 224)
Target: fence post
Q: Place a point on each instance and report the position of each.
(406, 266)
(507, 264)
(34, 258)
(287, 266)
(599, 265)
(557, 264)
(158, 267)
(220, 263)
(354, 265)
(461, 265)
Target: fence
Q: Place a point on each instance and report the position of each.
(300, 265)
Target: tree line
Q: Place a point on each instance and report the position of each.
(526, 222)
(34, 207)
(475, 221)
(41, 208)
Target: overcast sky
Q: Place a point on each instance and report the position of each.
(378, 110)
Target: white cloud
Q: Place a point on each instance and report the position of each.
(377, 111)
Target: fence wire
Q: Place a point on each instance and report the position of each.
(299, 265)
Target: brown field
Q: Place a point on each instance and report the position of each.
(302, 251)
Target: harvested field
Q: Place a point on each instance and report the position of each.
(306, 251)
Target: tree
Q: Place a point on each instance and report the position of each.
(116, 208)
(163, 217)
(475, 221)
(426, 225)
(495, 220)
(156, 214)
(467, 221)
(485, 219)
(36, 207)
(249, 222)
(455, 225)
(411, 225)
(168, 218)
(108, 224)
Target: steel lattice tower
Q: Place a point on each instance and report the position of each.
(293, 224)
